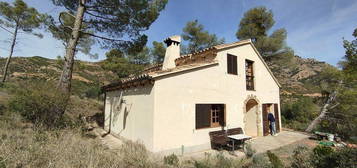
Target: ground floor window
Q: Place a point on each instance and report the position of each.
(210, 115)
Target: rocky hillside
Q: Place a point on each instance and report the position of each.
(296, 77)
(299, 76)
(87, 76)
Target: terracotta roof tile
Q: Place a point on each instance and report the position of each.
(202, 58)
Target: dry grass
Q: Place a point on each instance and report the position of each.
(23, 146)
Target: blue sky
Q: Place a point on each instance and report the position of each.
(315, 28)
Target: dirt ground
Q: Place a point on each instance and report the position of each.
(282, 145)
(286, 137)
(286, 152)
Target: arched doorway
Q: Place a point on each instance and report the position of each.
(251, 117)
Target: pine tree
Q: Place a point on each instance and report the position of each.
(62, 32)
(19, 18)
(113, 23)
(349, 65)
(198, 38)
(255, 25)
(158, 52)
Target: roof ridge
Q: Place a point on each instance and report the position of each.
(219, 46)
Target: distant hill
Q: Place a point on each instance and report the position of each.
(87, 76)
(297, 77)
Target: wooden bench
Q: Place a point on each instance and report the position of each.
(220, 139)
(234, 131)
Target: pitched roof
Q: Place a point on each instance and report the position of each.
(199, 59)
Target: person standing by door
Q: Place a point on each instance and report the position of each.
(271, 120)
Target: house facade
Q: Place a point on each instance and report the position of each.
(171, 108)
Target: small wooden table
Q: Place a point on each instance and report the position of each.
(239, 137)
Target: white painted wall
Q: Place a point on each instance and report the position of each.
(176, 96)
(132, 119)
(163, 116)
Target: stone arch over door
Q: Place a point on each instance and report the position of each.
(252, 116)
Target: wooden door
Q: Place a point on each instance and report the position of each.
(277, 118)
(265, 120)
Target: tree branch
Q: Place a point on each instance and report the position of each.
(101, 37)
(59, 19)
(6, 29)
(333, 106)
(101, 17)
(99, 6)
(90, 34)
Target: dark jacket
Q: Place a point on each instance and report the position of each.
(271, 117)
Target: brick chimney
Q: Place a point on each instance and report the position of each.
(172, 52)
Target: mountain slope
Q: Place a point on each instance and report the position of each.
(296, 77)
(299, 75)
(87, 76)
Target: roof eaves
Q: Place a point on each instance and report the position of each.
(265, 64)
(129, 82)
(191, 67)
(232, 45)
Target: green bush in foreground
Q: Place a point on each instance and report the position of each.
(301, 158)
(171, 160)
(259, 161)
(322, 156)
(274, 160)
(218, 160)
(40, 104)
(341, 158)
(249, 150)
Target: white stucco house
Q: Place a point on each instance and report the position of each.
(172, 107)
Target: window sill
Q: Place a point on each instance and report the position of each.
(209, 127)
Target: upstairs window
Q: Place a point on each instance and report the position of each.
(232, 64)
(249, 72)
(209, 115)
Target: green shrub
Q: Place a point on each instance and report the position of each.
(134, 154)
(322, 151)
(172, 160)
(40, 103)
(324, 156)
(93, 92)
(301, 158)
(342, 119)
(345, 157)
(298, 112)
(341, 158)
(2, 109)
(302, 110)
(249, 150)
(2, 163)
(259, 161)
(274, 160)
(200, 164)
(218, 160)
(223, 161)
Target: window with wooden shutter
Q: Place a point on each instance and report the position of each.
(203, 116)
(210, 115)
(249, 72)
(232, 64)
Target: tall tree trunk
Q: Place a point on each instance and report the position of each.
(324, 109)
(10, 55)
(66, 76)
